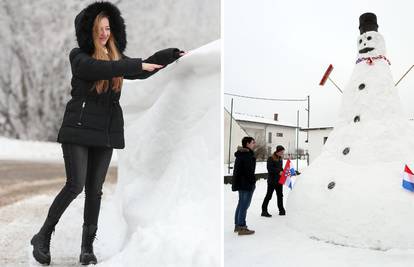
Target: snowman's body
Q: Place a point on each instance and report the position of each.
(362, 162)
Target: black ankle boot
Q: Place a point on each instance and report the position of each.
(266, 214)
(88, 236)
(41, 243)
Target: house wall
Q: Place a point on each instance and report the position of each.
(316, 142)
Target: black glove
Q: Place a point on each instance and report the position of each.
(165, 56)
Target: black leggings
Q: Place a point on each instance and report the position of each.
(85, 166)
(279, 193)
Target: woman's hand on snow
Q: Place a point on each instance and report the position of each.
(151, 67)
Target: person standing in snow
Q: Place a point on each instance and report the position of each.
(274, 169)
(244, 181)
(93, 123)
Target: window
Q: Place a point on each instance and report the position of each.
(270, 137)
(324, 139)
(269, 150)
(279, 134)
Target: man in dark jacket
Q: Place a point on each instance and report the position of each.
(244, 181)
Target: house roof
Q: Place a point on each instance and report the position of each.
(316, 128)
(257, 119)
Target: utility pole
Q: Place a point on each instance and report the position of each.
(308, 110)
(231, 124)
(297, 143)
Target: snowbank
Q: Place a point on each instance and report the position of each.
(166, 209)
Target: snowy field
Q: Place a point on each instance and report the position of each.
(276, 244)
(12, 149)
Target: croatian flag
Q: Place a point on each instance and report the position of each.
(408, 179)
(286, 177)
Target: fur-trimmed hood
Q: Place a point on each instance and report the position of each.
(243, 151)
(84, 24)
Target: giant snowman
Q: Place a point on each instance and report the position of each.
(351, 195)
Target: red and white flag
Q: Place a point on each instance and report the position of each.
(286, 177)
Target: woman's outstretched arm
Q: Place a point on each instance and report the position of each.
(88, 68)
(163, 57)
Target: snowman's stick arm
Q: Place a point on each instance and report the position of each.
(335, 85)
(404, 75)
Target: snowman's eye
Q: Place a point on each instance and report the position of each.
(360, 40)
(369, 38)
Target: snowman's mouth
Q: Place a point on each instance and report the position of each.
(366, 50)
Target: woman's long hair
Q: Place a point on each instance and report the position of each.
(276, 157)
(99, 53)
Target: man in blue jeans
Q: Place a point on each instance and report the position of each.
(244, 181)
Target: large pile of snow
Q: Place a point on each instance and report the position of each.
(368, 206)
(166, 208)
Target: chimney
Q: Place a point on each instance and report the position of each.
(276, 116)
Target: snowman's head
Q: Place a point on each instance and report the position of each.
(370, 44)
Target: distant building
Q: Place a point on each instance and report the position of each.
(317, 139)
(267, 133)
(237, 133)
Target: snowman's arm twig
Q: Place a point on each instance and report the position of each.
(335, 85)
(404, 75)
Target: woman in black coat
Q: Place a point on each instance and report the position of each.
(93, 124)
(275, 169)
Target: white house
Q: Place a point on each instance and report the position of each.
(317, 139)
(265, 131)
(237, 133)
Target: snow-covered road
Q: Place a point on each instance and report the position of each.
(19, 221)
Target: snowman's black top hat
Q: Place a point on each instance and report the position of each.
(368, 22)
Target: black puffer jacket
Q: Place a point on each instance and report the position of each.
(90, 118)
(244, 169)
(274, 167)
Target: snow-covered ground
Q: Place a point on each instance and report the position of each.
(275, 243)
(20, 221)
(12, 149)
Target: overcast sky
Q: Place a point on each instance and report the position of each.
(280, 49)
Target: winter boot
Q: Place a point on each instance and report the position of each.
(282, 212)
(237, 228)
(266, 214)
(41, 243)
(245, 231)
(88, 236)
